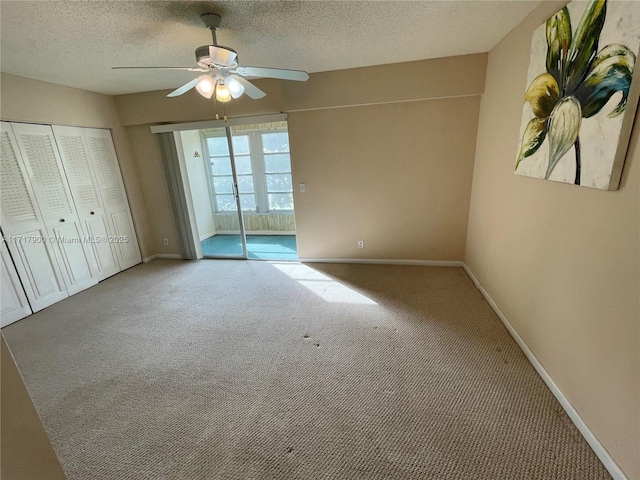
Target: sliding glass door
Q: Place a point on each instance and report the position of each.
(268, 216)
(242, 191)
(230, 186)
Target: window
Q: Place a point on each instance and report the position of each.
(277, 167)
(263, 168)
(222, 183)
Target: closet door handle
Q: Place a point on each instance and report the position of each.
(62, 220)
(92, 213)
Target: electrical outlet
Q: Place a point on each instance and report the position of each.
(166, 241)
(303, 188)
(360, 243)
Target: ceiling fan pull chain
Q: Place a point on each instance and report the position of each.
(215, 107)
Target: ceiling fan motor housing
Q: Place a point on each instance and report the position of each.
(216, 56)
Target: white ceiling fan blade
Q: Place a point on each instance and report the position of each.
(298, 75)
(249, 88)
(187, 69)
(186, 87)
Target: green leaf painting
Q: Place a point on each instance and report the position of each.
(577, 101)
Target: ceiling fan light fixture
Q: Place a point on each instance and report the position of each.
(222, 92)
(235, 87)
(206, 86)
(223, 77)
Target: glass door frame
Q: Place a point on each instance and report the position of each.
(236, 194)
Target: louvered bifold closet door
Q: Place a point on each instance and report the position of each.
(24, 228)
(44, 168)
(86, 196)
(113, 195)
(13, 302)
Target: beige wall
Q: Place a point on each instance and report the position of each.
(154, 190)
(26, 452)
(386, 161)
(25, 100)
(424, 79)
(562, 262)
(397, 176)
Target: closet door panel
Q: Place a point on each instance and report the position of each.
(75, 261)
(128, 250)
(104, 250)
(113, 194)
(24, 228)
(85, 192)
(13, 301)
(43, 164)
(36, 263)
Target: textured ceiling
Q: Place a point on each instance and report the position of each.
(75, 43)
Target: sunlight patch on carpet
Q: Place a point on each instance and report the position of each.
(323, 286)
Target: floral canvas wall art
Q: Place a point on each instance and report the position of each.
(582, 93)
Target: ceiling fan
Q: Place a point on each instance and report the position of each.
(222, 76)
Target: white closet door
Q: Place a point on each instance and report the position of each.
(85, 191)
(113, 194)
(24, 228)
(13, 302)
(44, 168)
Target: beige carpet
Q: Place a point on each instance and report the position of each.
(253, 370)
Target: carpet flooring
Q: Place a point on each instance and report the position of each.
(263, 247)
(266, 370)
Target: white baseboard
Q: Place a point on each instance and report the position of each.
(175, 256)
(375, 261)
(255, 232)
(599, 449)
(207, 235)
